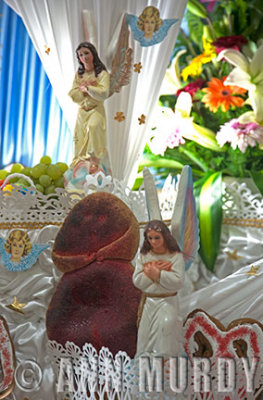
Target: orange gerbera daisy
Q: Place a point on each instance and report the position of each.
(220, 95)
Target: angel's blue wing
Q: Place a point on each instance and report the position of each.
(162, 32)
(151, 196)
(184, 223)
(157, 37)
(26, 262)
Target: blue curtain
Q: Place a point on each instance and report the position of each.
(32, 122)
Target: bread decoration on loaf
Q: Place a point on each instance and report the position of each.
(95, 300)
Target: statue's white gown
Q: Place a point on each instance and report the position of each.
(160, 326)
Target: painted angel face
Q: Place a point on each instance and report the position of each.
(156, 241)
(86, 57)
(149, 26)
(17, 250)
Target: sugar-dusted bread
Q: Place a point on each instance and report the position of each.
(95, 300)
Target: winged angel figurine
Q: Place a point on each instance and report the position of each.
(92, 85)
(160, 268)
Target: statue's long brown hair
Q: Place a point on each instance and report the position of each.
(169, 240)
(98, 64)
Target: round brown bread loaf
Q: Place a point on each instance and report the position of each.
(95, 300)
(96, 304)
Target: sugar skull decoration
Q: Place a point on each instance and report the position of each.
(149, 29)
(17, 251)
(95, 301)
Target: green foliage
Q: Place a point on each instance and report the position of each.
(208, 195)
(195, 26)
(257, 176)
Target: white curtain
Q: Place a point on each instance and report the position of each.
(57, 25)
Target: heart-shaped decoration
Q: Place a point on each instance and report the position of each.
(207, 337)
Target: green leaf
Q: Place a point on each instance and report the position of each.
(161, 162)
(196, 8)
(195, 27)
(208, 193)
(257, 177)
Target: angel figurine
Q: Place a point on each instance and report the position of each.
(92, 85)
(160, 269)
(90, 88)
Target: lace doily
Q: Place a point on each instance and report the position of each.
(84, 374)
(29, 205)
(240, 202)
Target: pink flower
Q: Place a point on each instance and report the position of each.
(211, 4)
(240, 135)
(192, 87)
(174, 139)
(168, 130)
(229, 42)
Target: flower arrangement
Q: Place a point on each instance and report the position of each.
(210, 115)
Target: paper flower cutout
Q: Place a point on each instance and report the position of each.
(141, 119)
(137, 67)
(119, 116)
(16, 306)
(47, 49)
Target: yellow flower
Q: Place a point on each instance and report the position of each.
(195, 67)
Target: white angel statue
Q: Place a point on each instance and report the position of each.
(160, 269)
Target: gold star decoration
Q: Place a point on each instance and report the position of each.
(47, 49)
(141, 119)
(233, 255)
(137, 67)
(16, 306)
(253, 271)
(119, 116)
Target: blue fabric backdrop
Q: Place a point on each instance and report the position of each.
(32, 122)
